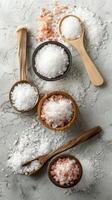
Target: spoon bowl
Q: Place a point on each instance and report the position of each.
(12, 89)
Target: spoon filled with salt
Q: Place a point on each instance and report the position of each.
(23, 95)
(71, 30)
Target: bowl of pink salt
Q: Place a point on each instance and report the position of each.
(51, 61)
(57, 110)
(65, 171)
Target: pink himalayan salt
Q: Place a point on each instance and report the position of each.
(65, 171)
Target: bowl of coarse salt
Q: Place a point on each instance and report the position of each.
(51, 61)
(57, 110)
(65, 171)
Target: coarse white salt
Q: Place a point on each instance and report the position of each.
(71, 28)
(65, 171)
(33, 166)
(57, 112)
(24, 96)
(51, 61)
(34, 141)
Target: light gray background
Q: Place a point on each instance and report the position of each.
(12, 14)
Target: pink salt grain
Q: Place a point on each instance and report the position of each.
(65, 171)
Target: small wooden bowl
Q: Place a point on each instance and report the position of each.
(68, 65)
(72, 158)
(64, 94)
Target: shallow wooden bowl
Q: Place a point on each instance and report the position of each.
(64, 94)
(72, 158)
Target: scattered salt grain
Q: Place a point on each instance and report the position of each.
(57, 111)
(33, 142)
(51, 61)
(71, 28)
(24, 96)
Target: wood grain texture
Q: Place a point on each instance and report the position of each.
(22, 42)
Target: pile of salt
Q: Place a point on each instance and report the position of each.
(71, 28)
(51, 61)
(57, 111)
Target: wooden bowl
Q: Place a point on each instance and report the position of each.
(64, 94)
(68, 65)
(72, 158)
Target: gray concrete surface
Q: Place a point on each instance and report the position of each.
(12, 14)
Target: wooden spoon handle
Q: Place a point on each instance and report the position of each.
(74, 142)
(22, 41)
(91, 69)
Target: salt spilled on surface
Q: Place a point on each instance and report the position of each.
(51, 61)
(24, 96)
(57, 112)
(95, 30)
(71, 28)
(34, 142)
(76, 82)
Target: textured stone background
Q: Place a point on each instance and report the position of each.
(12, 14)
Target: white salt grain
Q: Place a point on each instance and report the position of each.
(51, 61)
(71, 28)
(24, 96)
(57, 111)
(35, 165)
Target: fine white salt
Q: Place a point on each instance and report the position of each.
(71, 28)
(57, 112)
(51, 61)
(24, 96)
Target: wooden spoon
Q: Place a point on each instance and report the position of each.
(72, 143)
(22, 46)
(78, 43)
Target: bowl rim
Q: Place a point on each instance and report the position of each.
(65, 155)
(48, 95)
(60, 45)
